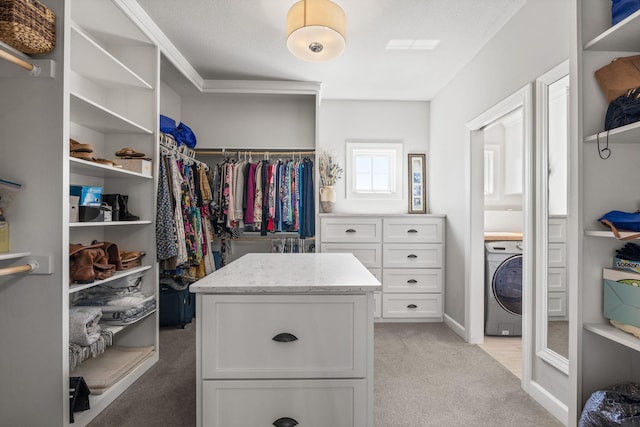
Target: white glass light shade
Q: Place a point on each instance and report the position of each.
(316, 30)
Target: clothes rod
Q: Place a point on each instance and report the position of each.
(17, 61)
(18, 269)
(207, 152)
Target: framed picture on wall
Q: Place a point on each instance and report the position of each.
(417, 184)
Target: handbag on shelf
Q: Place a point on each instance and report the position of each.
(620, 9)
(623, 110)
(622, 221)
(620, 75)
(78, 396)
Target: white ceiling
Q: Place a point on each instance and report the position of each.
(245, 40)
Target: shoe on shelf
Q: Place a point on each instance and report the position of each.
(76, 147)
(129, 152)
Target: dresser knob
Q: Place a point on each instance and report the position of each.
(412, 281)
(285, 337)
(350, 230)
(412, 256)
(413, 230)
(412, 306)
(285, 422)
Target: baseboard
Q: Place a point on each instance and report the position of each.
(549, 402)
(455, 327)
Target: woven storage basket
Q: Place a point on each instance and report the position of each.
(28, 26)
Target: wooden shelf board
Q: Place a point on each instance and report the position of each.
(89, 114)
(624, 134)
(13, 255)
(97, 170)
(106, 223)
(622, 37)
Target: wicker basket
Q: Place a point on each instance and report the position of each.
(28, 26)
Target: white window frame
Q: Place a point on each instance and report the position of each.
(393, 149)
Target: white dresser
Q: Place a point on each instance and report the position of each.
(557, 284)
(285, 340)
(406, 252)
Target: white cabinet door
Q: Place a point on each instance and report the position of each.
(284, 336)
(412, 255)
(369, 254)
(412, 305)
(408, 230)
(412, 280)
(351, 230)
(308, 403)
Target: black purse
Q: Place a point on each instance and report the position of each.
(78, 396)
(623, 110)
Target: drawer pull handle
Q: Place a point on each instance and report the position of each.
(285, 422)
(412, 281)
(412, 306)
(412, 256)
(285, 337)
(350, 230)
(413, 230)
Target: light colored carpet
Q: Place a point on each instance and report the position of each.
(425, 375)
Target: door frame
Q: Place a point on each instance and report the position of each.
(474, 223)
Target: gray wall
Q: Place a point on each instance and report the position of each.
(534, 41)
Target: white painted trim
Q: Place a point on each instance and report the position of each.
(549, 402)
(454, 326)
(260, 86)
(542, 217)
(137, 14)
(474, 208)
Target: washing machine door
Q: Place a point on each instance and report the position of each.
(507, 285)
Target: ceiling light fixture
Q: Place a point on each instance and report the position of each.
(316, 30)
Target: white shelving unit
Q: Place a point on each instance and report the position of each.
(100, 86)
(113, 101)
(606, 355)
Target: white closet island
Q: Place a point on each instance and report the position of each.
(286, 339)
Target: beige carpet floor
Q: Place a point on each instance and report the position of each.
(425, 375)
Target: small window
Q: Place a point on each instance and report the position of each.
(374, 170)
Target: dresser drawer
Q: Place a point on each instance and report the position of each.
(407, 230)
(412, 305)
(350, 230)
(309, 403)
(557, 255)
(369, 254)
(412, 255)
(284, 336)
(412, 280)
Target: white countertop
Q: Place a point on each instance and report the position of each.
(290, 273)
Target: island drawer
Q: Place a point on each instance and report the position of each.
(284, 336)
(351, 230)
(412, 280)
(412, 255)
(309, 403)
(412, 230)
(412, 305)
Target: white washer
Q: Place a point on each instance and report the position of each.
(503, 288)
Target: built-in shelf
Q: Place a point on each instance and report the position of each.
(614, 334)
(609, 234)
(624, 134)
(118, 275)
(13, 255)
(119, 328)
(89, 114)
(622, 37)
(92, 61)
(89, 168)
(107, 223)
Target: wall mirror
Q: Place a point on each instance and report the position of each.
(552, 118)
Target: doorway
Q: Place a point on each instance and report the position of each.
(475, 274)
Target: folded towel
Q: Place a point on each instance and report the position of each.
(78, 354)
(83, 325)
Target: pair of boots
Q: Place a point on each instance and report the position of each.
(119, 207)
(88, 263)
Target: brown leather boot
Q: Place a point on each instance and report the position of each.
(81, 268)
(113, 253)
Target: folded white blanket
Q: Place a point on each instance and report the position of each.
(83, 325)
